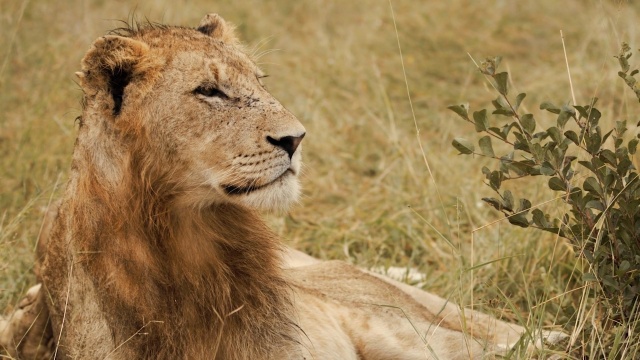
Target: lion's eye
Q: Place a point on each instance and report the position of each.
(210, 91)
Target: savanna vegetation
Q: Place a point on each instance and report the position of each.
(383, 186)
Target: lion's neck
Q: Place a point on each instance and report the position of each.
(198, 281)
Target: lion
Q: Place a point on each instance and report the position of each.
(156, 250)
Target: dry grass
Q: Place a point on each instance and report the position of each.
(369, 198)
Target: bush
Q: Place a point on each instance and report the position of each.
(598, 183)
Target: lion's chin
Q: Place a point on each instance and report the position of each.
(276, 196)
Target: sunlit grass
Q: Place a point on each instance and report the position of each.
(369, 198)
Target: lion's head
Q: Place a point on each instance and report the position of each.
(193, 99)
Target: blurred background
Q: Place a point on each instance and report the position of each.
(372, 196)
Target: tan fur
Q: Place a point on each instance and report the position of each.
(156, 251)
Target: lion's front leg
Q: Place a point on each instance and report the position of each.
(26, 333)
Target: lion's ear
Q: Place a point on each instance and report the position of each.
(215, 26)
(111, 64)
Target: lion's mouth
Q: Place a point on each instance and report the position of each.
(243, 190)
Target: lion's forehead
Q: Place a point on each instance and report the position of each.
(214, 64)
(191, 45)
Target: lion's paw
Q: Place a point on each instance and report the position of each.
(26, 333)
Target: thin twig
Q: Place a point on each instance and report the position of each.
(64, 314)
(413, 114)
(566, 59)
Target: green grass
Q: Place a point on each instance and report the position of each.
(369, 197)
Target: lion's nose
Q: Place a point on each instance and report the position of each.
(287, 143)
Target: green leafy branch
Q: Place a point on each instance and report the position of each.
(602, 219)
(626, 73)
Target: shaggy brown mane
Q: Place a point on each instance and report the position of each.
(215, 274)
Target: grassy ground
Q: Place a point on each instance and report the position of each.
(371, 197)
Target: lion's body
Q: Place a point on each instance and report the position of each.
(156, 251)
